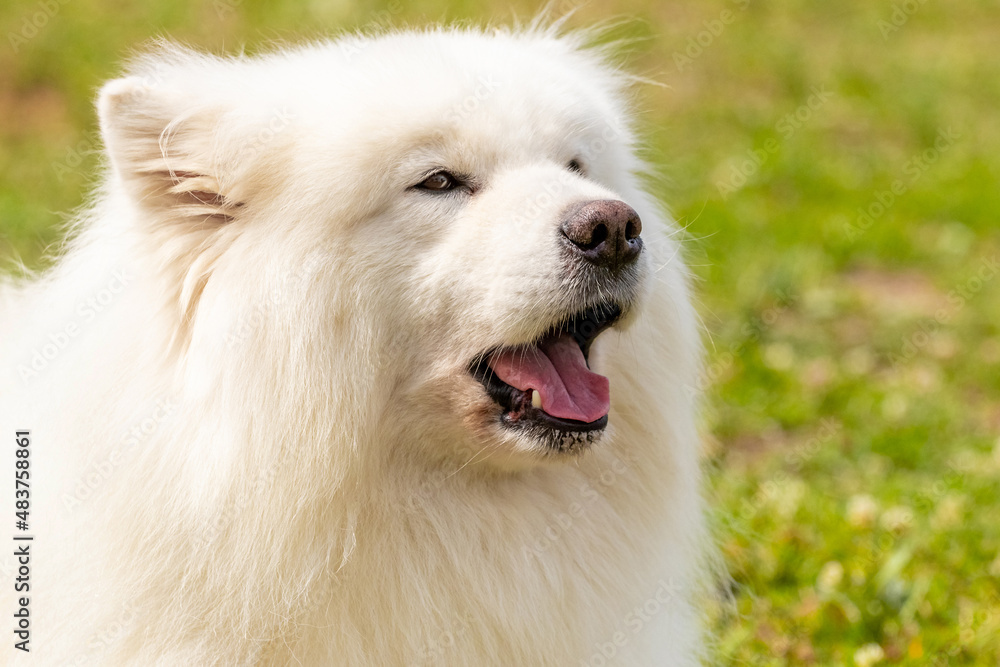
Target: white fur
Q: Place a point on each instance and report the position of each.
(262, 446)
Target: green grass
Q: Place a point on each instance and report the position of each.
(853, 392)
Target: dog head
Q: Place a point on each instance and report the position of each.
(424, 235)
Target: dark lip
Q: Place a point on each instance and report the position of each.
(516, 409)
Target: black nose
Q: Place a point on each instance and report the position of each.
(605, 232)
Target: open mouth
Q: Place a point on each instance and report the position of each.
(548, 384)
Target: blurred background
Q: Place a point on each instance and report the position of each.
(836, 166)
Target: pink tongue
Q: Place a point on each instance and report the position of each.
(557, 370)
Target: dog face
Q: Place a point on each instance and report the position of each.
(449, 234)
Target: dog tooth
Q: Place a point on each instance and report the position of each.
(536, 399)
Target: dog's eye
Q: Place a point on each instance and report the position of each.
(575, 166)
(440, 181)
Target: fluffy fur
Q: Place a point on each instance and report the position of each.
(255, 439)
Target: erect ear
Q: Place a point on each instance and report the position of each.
(167, 151)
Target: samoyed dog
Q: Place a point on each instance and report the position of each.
(367, 352)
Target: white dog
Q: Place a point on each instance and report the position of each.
(370, 352)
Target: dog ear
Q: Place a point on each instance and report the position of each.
(166, 151)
